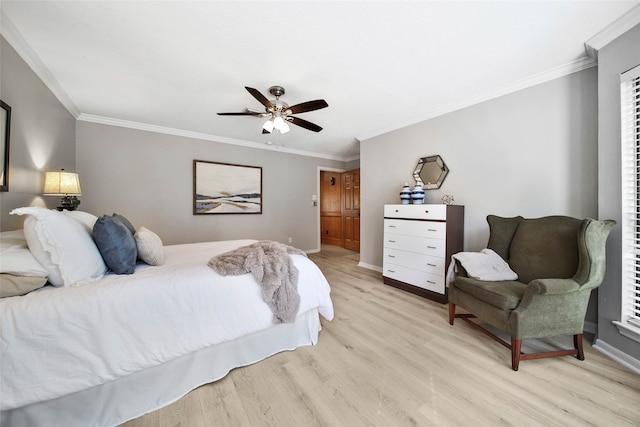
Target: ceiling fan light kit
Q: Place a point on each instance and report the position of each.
(278, 113)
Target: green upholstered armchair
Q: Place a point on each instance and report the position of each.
(559, 260)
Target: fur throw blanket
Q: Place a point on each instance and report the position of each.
(273, 269)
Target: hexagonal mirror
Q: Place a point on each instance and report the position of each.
(430, 172)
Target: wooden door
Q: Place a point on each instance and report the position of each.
(331, 208)
(351, 210)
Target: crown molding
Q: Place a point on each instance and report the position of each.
(28, 55)
(612, 32)
(527, 82)
(202, 136)
(352, 158)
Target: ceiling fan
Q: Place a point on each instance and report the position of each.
(279, 112)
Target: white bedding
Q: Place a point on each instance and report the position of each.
(57, 341)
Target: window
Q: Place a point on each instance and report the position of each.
(630, 114)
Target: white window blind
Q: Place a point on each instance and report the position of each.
(630, 113)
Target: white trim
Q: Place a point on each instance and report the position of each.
(352, 158)
(527, 82)
(370, 266)
(628, 330)
(197, 135)
(617, 355)
(15, 39)
(612, 32)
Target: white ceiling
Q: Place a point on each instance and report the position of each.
(380, 65)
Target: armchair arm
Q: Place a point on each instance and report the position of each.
(552, 286)
(550, 307)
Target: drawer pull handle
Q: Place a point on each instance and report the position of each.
(426, 211)
(432, 229)
(432, 247)
(392, 226)
(391, 256)
(392, 241)
(429, 281)
(431, 265)
(391, 271)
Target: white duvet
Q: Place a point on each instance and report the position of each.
(57, 341)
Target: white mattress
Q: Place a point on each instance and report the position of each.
(58, 341)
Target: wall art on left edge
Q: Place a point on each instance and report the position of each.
(5, 126)
(224, 188)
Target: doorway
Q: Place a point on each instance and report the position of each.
(340, 208)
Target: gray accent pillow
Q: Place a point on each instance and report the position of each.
(125, 221)
(116, 245)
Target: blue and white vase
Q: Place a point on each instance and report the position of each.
(405, 194)
(417, 195)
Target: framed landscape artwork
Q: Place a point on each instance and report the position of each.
(5, 126)
(223, 188)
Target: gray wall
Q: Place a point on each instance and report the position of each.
(617, 57)
(530, 153)
(42, 136)
(148, 177)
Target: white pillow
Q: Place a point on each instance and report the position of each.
(15, 257)
(63, 246)
(150, 249)
(85, 218)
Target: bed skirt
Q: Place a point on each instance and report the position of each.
(134, 395)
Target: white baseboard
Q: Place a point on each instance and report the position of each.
(370, 266)
(617, 355)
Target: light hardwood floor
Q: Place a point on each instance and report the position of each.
(390, 358)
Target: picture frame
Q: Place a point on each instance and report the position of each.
(226, 188)
(5, 132)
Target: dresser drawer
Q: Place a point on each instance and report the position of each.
(421, 245)
(435, 212)
(413, 277)
(433, 230)
(426, 263)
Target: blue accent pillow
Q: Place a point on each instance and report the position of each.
(116, 245)
(125, 221)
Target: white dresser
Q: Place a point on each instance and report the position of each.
(418, 243)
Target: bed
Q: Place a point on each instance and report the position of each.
(112, 347)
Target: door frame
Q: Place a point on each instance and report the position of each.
(326, 169)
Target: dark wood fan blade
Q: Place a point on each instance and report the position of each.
(260, 97)
(307, 106)
(305, 124)
(241, 113)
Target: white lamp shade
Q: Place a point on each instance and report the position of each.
(268, 126)
(62, 183)
(281, 125)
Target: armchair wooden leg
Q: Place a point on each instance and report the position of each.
(577, 343)
(452, 312)
(516, 347)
